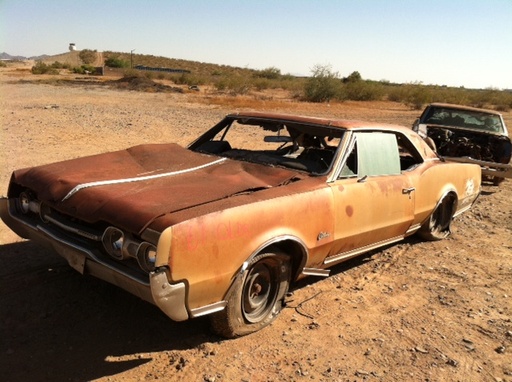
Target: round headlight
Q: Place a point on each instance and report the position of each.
(113, 241)
(146, 257)
(24, 202)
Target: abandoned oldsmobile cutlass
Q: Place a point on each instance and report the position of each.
(255, 203)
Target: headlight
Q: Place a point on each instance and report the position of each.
(24, 202)
(27, 203)
(113, 241)
(146, 256)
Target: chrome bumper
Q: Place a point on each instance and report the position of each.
(170, 298)
(503, 170)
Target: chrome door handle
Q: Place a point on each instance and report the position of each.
(408, 190)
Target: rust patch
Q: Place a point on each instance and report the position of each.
(349, 211)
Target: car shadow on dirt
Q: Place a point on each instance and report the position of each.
(85, 326)
(90, 329)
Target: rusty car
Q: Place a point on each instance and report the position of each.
(224, 226)
(468, 134)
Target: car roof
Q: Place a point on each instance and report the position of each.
(345, 124)
(463, 107)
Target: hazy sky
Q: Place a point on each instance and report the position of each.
(445, 42)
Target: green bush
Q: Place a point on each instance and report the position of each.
(354, 77)
(2, 64)
(271, 73)
(116, 62)
(234, 84)
(362, 91)
(84, 69)
(41, 68)
(262, 84)
(323, 85)
(60, 65)
(88, 56)
(188, 79)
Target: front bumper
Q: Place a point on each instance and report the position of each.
(503, 170)
(156, 289)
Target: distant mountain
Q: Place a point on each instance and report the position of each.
(7, 56)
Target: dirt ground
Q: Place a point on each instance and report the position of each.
(414, 311)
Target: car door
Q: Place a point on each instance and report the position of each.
(374, 201)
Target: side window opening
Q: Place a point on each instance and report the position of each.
(409, 156)
(349, 169)
(379, 154)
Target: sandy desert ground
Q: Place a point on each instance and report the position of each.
(414, 311)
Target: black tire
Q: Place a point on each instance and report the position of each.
(496, 181)
(256, 297)
(437, 227)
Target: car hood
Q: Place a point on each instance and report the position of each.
(132, 187)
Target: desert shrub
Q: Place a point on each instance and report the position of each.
(88, 56)
(60, 65)
(323, 85)
(188, 79)
(504, 108)
(2, 64)
(353, 77)
(262, 84)
(84, 69)
(292, 84)
(234, 84)
(128, 73)
(271, 73)
(362, 91)
(42, 68)
(116, 62)
(418, 96)
(412, 95)
(490, 96)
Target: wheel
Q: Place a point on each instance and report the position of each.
(256, 297)
(437, 227)
(496, 181)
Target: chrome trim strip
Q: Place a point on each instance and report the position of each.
(275, 240)
(204, 310)
(347, 255)
(77, 231)
(413, 229)
(138, 179)
(462, 210)
(316, 272)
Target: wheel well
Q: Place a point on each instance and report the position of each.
(295, 250)
(453, 198)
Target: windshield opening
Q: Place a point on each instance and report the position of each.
(292, 145)
(466, 119)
